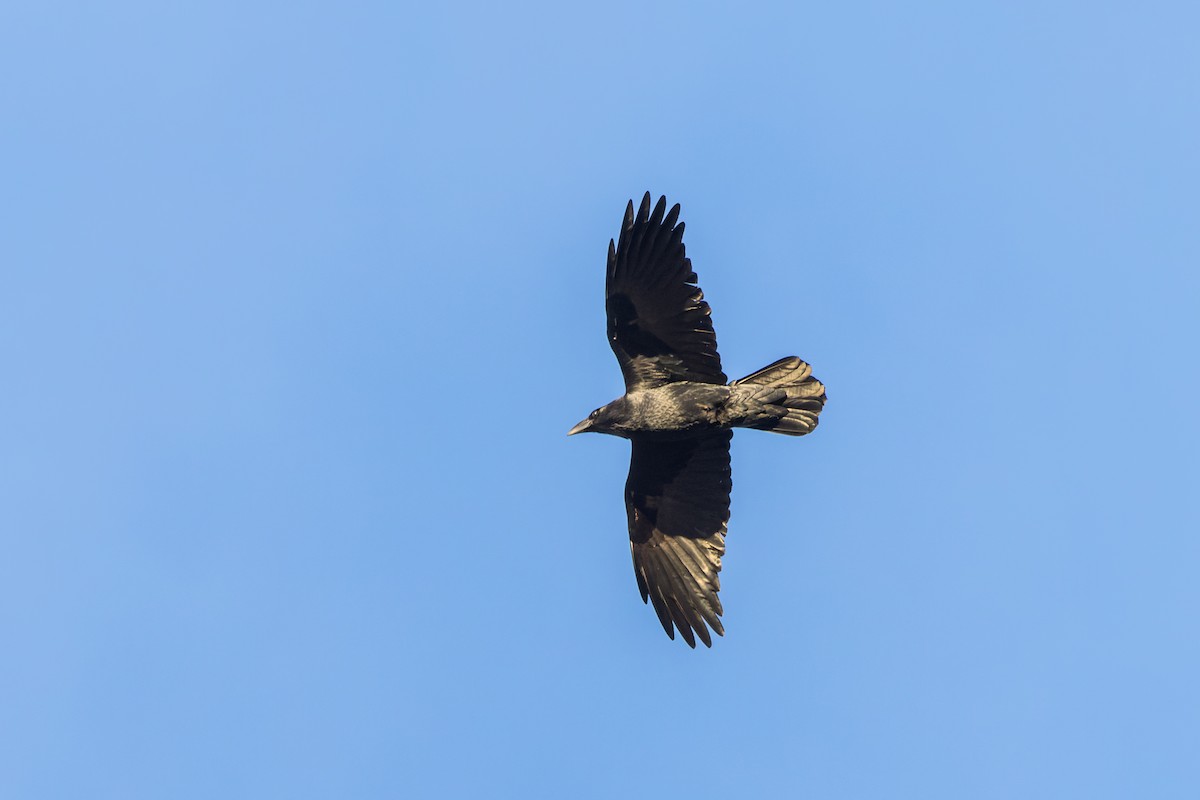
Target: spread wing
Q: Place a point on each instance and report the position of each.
(658, 323)
(677, 499)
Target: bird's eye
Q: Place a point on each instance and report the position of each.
(594, 414)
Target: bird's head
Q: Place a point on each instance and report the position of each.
(603, 420)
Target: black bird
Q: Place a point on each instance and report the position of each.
(678, 410)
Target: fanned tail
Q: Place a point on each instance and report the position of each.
(783, 397)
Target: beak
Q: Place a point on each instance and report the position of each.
(580, 428)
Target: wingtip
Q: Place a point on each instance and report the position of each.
(672, 216)
(660, 208)
(644, 209)
(689, 637)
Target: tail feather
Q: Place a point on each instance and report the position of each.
(783, 397)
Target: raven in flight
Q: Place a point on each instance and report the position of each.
(677, 411)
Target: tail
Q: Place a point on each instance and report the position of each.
(783, 397)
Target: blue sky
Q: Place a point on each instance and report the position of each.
(300, 300)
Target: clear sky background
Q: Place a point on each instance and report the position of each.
(299, 300)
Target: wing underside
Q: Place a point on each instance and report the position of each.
(659, 325)
(677, 500)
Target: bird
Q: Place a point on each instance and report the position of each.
(678, 412)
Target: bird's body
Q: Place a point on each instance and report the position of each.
(677, 411)
(671, 411)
